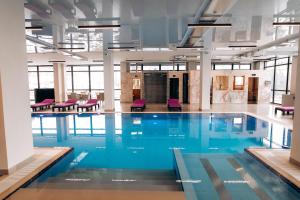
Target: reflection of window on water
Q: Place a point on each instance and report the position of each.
(87, 125)
(75, 125)
(41, 125)
(118, 123)
(279, 136)
(137, 120)
(237, 124)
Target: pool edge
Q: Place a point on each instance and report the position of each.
(31, 176)
(272, 169)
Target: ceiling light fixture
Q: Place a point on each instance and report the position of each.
(56, 61)
(34, 28)
(71, 48)
(286, 23)
(71, 43)
(110, 26)
(134, 60)
(190, 47)
(120, 48)
(242, 46)
(207, 25)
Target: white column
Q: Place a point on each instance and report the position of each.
(294, 74)
(295, 152)
(15, 118)
(109, 103)
(59, 82)
(205, 73)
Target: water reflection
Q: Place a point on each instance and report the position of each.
(146, 140)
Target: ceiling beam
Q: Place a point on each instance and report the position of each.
(205, 4)
(270, 44)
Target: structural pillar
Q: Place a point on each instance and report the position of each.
(59, 82)
(295, 151)
(109, 104)
(205, 72)
(15, 118)
(109, 97)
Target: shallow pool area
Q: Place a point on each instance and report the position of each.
(137, 151)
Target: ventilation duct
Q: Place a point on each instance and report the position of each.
(38, 7)
(64, 7)
(87, 7)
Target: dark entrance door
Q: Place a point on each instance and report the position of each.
(185, 92)
(253, 90)
(174, 88)
(155, 85)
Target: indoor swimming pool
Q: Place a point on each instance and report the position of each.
(138, 149)
(145, 141)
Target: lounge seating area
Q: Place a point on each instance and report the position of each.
(69, 104)
(89, 105)
(174, 105)
(285, 110)
(45, 104)
(138, 105)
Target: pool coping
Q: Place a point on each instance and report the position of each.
(31, 175)
(283, 176)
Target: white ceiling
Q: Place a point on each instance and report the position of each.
(163, 23)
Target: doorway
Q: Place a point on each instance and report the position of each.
(185, 92)
(155, 85)
(253, 90)
(174, 88)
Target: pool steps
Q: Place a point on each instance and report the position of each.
(121, 179)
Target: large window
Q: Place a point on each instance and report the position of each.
(40, 77)
(279, 76)
(231, 66)
(90, 78)
(134, 67)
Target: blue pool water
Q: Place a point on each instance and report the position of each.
(110, 149)
(145, 141)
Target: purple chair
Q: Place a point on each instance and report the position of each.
(89, 105)
(46, 103)
(285, 109)
(138, 104)
(71, 103)
(174, 105)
